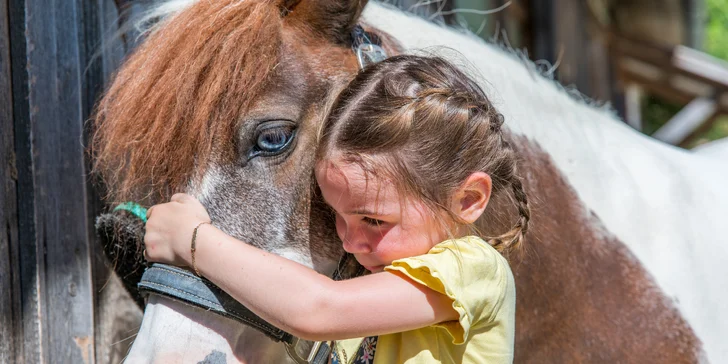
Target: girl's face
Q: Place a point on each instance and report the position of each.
(374, 224)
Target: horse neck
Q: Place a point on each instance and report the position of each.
(174, 332)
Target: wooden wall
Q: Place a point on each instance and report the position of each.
(53, 275)
(10, 294)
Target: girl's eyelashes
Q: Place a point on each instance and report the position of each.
(373, 222)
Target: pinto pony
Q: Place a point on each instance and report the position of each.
(626, 260)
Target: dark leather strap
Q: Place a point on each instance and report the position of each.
(360, 36)
(184, 286)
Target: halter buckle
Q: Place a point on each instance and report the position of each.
(368, 53)
(319, 353)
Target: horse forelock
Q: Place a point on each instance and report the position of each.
(174, 106)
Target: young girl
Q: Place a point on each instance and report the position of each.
(408, 159)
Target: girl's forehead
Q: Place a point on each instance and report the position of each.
(343, 173)
(351, 178)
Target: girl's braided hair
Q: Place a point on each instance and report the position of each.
(427, 126)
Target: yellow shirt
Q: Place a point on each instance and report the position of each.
(480, 283)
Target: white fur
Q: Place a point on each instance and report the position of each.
(717, 149)
(669, 206)
(173, 332)
(203, 190)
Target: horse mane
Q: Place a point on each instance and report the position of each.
(174, 105)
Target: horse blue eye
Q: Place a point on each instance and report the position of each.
(272, 141)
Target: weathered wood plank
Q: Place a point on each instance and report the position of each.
(59, 69)
(117, 317)
(690, 118)
(54, 264)
(29, 336)
(92, 59)
(542, 31)
(9, 284)
(633, 105)
(702, 65)
(56, 99)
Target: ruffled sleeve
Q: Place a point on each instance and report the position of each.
(470, 272)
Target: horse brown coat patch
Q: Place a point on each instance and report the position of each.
(582, 296)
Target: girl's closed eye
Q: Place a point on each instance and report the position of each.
(372, 221)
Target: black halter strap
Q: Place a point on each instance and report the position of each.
(360, 36)
(184, 286)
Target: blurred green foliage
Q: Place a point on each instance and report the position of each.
(716, 28)
(656, 112)
(716, 43)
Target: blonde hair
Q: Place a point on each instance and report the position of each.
(426, 126)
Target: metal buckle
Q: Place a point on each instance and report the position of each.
(368, 53)
(314, 357)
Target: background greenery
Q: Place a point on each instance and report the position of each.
(716, 43)
(656, 112)
(716, 28)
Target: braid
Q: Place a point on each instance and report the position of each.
(478, 108)
(512, 240)
(524, 213)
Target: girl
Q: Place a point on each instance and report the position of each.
(408, 158)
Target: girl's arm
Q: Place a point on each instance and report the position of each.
(312, 306)
(289, 295)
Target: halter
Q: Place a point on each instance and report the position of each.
(182, 285)
(367, 46)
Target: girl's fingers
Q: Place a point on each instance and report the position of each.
(149, 212)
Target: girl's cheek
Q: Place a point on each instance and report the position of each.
(387, 239)
(340, 227)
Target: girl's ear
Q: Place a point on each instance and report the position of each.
(471, 199)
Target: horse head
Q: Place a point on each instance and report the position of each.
(223, 100)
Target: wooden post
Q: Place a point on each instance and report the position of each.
(633, 105)
(565, 33)
(542, 31)
(116, 315)
(54, 269)
(695, 15)
(9, 283)
(690, 118)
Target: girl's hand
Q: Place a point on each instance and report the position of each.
(169, 229)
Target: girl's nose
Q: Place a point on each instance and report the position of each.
(355, 242)
(351, 236)
(356, 246)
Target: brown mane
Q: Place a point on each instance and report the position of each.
(175, 104)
